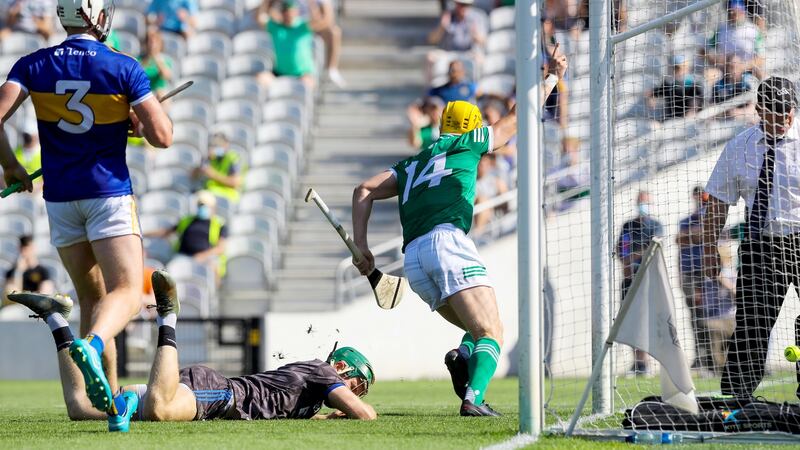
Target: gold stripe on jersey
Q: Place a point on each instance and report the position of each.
(107, 108)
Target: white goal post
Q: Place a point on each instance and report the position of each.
(572, 269)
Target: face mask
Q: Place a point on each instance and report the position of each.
(644, 209)
(203, 212)
(219, 152)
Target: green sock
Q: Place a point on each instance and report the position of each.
(467, 346)
(482, 365)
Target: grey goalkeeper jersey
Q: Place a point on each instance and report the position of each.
(294, 391)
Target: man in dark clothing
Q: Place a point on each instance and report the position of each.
(27, 274)
(294, 391)
(633, 241)
(690, 240)
(681, 93)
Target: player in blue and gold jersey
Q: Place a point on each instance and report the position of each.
(83, 93)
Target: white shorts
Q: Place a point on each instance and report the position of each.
(443, 262)
(92, 219)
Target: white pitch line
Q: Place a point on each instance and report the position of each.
(518, 441)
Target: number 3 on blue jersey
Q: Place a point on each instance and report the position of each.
(77, 90)
(436, 166)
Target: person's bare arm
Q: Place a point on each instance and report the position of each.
(379, 187)
(231, 181)
(153, 123)
(353, 407)
(11, 96)
(563, 106)
(504, 129)
(435, 36)
(716, 213)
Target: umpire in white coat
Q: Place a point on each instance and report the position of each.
(762, 166)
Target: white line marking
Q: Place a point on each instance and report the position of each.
(518, 441)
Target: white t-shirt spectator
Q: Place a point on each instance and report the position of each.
(458, 34)
(744, 40)
(30, 10)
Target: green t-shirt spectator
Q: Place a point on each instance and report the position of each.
(157, 82)
(428, 135)
(294, 48)
(113, 40)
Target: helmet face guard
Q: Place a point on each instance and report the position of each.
(356, 366)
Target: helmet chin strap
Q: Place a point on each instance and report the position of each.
(99, 32)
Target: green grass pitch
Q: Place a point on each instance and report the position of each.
(413, 415)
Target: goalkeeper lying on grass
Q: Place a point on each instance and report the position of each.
(294, 391)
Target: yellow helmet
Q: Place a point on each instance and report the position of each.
(460, 117)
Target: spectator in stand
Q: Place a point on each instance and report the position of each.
(719, 306)
(506, 156)
(222, 170)
(489, 185)
(27, 274)
(458, 87)
(462, 30)
(690, 241)
(619, 20)
(571, 175)
(424, 117)
(202, 235)
(29, 154)
(738, 36)
(328, 30)
(736, 80)
(635, 237)
(756, 11)
(293, 38)
(682, 95)
(157, 66)
(32, 16)
(175, 16)
(562, 15)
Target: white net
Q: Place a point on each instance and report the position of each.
(681, 92)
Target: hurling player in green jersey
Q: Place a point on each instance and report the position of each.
(436, 193)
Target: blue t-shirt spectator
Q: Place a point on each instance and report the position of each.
(636, 236)
(168, 13)
(451, 92)
(725, 89)
(691, 255)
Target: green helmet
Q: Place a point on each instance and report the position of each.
(357, 364)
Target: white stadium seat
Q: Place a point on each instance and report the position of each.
(269, 179)
(265, 204)
(158, 249)
(15, 225)
(192, 110)
(275, 155)
(138, 180)
(210, 43)
(170, 179)
(172, 203)
(281, 132)
(204, 66)
(502, 18)
(20, 43)
(253, 42)
(502, 41)
(249, 264)
(291, 111)
(245, 111)
(204, 88)
(129, 20)
(238, 133)
(129, 43)
(182, 157)
(248, 65)
(234, 6)
(216, 20)
(174, 45)
(498, 63)
(190, 133)
(500, 84)
(244, 87)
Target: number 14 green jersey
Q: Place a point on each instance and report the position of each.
(437, 185)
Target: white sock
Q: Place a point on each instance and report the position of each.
(56, 321)
(171, 320)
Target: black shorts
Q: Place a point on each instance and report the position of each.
(212, 391)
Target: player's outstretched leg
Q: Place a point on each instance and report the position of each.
(456, 361)
(165, 400)
(55, 311)
(476, 307)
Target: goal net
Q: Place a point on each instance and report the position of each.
(679, 93)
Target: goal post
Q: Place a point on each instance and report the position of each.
(656, 89)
